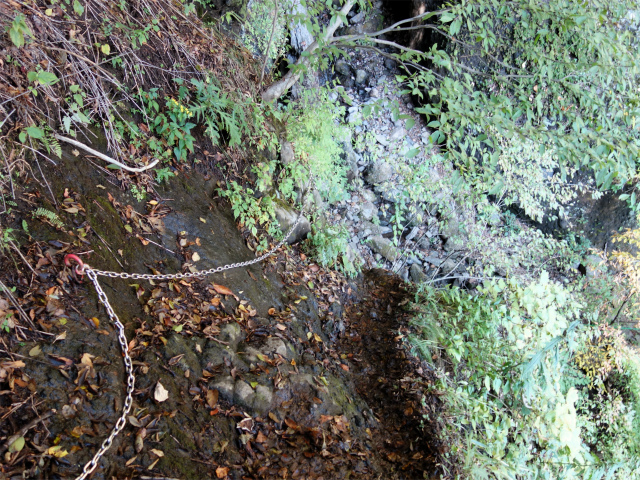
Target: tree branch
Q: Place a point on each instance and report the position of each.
(102, 156)
(279, 88)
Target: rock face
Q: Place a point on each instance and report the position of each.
(286, 216)
(379, 172)
(287, 154)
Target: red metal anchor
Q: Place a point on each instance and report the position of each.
(78, 269)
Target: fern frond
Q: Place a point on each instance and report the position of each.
(49, 216)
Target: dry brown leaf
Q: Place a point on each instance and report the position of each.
(212, 398)
(222, 472)
(222, 290)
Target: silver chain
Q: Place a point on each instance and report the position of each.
(122, 339)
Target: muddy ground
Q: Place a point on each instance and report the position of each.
(278, 370)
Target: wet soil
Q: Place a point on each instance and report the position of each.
(278, 370)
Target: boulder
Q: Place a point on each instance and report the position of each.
(286, 216)
(418, 275)
(384, 247)
(287, 154)
(379, 172)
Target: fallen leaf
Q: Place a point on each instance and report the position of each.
(95, 321)
(17, 445)
(281, 327)
(157, 452)
(272, 311)
(160, 394)
(260, 438)
(57, 451)
(195, 257)
(212, 398)
(16, 364)
(35, 351)
(150, 467)
(222, 472)
(344, 367)
(222, 290)
(203, 220)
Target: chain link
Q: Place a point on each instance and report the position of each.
(93, 275)
(202, 273)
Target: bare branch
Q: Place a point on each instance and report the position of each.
(102, 156)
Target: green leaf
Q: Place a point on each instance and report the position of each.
(47, 78)
(16, 37)
(17, 445)
(412, 153)
(35, 132)
(106, 49)
(77, 7)
(454, 28)
(409, 124)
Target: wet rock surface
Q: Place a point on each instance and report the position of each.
(278, 370)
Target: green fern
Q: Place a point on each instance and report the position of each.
(49, 216)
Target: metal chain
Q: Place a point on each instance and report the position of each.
(93, 275)
(202, 273)
(131, 379)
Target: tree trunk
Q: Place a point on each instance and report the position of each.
(279, 88)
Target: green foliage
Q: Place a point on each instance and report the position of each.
(19, 30)
(558, 76)
(330, 244)
(48, 216)
(43, 136)
(314, 130)
(219, 113)
(516, 389)
(138, 193)
(76, 112)
(259, 25)
(251, 212)
(163, 174)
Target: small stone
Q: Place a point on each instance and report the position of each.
(262, 399)
(225, 388)
(243, 394)
(379, 172)
(412, 234)
(361, 77)
(287, 155)
(382, 140)
(358, 18)
(368, 210)
(397, 134)
(343, 68)
(390, 64)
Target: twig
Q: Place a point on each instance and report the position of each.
(273, 29)
(102, 156)
(17, 306)
(158, 245)
(24, 430)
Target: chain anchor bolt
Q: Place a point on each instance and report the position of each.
(78, 269)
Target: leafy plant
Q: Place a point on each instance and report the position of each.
(517, 404)
(250, 211)
(218, 112)
(330, 247)
(48, 216)
(19, 30)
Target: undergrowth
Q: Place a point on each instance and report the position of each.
(534, 384)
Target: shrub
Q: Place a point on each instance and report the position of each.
(518, 402)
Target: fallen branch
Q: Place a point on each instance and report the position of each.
(102, 156)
